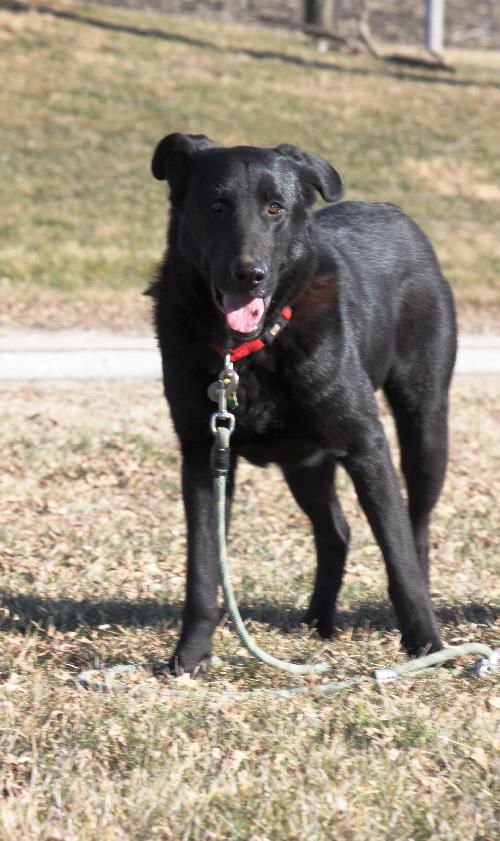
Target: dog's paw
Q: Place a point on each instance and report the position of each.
(192, 660)
(417, 645)
(322, 622)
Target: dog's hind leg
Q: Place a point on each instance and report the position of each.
(421, 418)
(417, 392)
(314, 490)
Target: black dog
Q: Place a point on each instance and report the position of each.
(369, 308)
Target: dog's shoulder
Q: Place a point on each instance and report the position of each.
(363, 217)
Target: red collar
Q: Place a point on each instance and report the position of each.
(254, 345)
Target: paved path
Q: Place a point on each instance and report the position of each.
(34, 355)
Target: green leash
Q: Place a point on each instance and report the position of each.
(220, 391)
(490, 658)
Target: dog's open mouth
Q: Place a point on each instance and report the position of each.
(244, 313)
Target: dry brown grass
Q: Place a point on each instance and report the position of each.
(452, 178)
(92, 570)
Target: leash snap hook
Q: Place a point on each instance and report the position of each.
(218, 419)
(223, 392)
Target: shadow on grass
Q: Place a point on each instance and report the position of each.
(377, 615)
(30, 611)
(256, 54)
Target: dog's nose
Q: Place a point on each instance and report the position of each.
(249, 272)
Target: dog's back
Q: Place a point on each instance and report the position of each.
(391, 290)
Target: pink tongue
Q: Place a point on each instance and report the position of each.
(242, 312)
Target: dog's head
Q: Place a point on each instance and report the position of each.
(241, 217)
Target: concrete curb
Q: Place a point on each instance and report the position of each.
(89, 354)
(478, 354)
(77, 355)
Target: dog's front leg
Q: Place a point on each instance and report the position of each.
(201, 613)
(200, 609)
(377, 486)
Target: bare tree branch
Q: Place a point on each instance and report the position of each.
(364, 31)
(437, 61)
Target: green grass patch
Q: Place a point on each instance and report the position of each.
(82, 219)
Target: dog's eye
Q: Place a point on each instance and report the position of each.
(274, 208)
(216, 206)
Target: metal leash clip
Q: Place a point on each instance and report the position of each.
(487, 666)
(223, 392)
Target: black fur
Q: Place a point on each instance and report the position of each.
(371, 310)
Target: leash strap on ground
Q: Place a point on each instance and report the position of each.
(488, 663)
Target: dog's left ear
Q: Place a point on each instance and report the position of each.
(315, 171)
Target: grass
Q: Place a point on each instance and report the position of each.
(92, 570)
(82, 220)
(91, 526)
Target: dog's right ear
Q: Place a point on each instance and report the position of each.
(171, 157)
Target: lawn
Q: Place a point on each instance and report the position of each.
(92, 572)
(88, 90)
(91, 523)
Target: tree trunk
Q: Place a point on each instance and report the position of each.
(320, 13)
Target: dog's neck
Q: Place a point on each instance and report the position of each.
(267, 336)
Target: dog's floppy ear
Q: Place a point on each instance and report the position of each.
(171, 156)
(315, 171)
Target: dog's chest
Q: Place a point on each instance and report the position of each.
(270, 423)
(263, 408)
